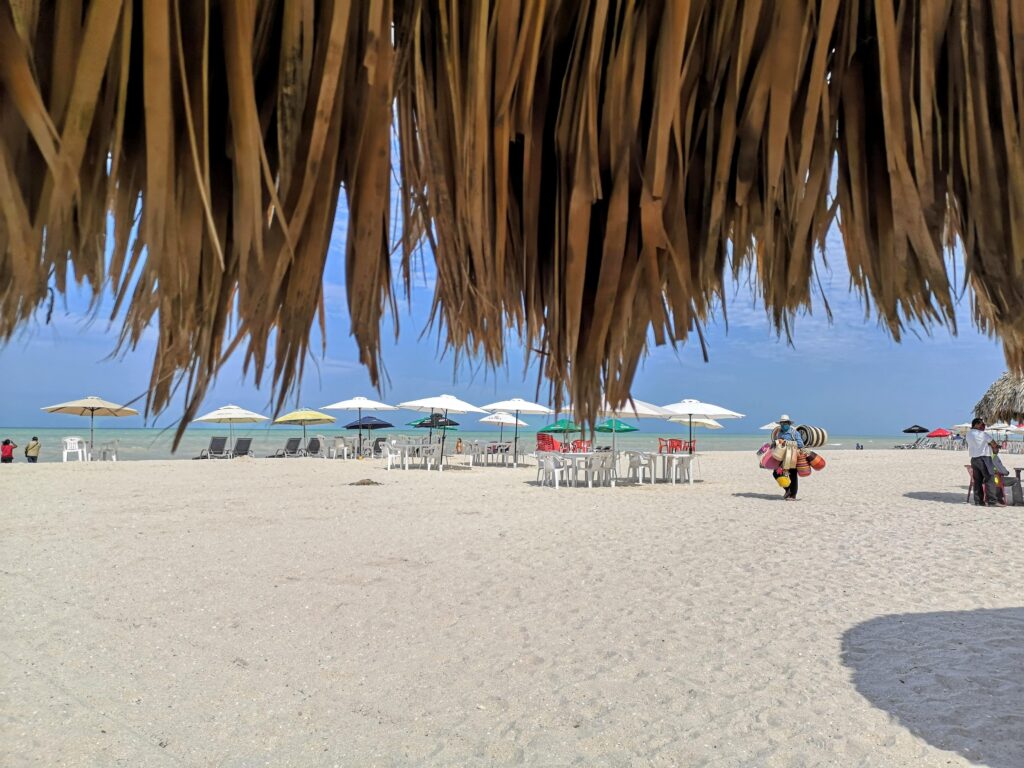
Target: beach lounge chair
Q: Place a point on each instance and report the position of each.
(315, 447)
(243, 447)
(292, 448)
(217, 449)
(376, 446)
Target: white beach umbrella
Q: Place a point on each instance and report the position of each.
(441, 404)
(697, 422)
(635, 409)
(696, 409)
(231, 414)
(92, 407)
(770, 425)
(359, 404)
(503, 419)
(632, 409)
(518, 406)
(449, 403)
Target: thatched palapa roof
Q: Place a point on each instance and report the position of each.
(1004, 400)
(584, 172)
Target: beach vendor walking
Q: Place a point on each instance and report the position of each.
(790, 436)
(979, 445)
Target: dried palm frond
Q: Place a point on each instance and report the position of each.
(586, 173)
(1004, 400)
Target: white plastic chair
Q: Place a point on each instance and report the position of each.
(108, 451)
(391, 455)
(639, 464)
(609, 471)
(552, 467)
(73, 446)
(431, 454)
(592, 469)
(339, 448)
(679, 467)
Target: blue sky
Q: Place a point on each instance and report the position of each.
(848, 376)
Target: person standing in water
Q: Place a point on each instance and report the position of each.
(788, 434)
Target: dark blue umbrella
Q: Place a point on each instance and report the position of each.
(369, 422)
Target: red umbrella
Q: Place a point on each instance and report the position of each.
(940, 432)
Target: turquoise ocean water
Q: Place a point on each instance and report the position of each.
(134, 444)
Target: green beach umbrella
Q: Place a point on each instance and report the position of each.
(614, 426)
(562, 427)
(436, 421)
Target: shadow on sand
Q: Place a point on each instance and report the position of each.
(946, 497)
(954, 679)
(768, 496)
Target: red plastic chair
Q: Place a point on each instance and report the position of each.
(545, 442)
(580, 446)
(664, 445)
(675, 445)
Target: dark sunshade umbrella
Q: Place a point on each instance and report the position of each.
(443, 404)
(360, 404)
(917, 429)
(434, 421)
(369, 422)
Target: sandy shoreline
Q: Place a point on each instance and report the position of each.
(268, 613)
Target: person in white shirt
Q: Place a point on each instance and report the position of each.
(979, 446)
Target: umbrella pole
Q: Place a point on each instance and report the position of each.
(515, 447)
(444, 432)
(360, 412)
(92, 431)
(501, 433)
(691, 434)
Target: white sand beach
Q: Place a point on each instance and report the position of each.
(267, 613)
